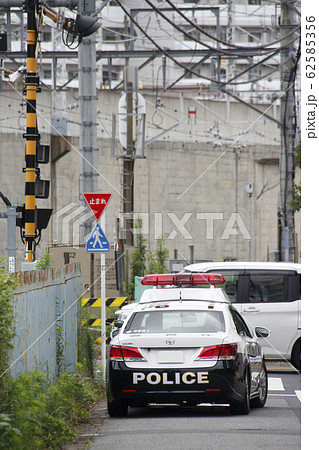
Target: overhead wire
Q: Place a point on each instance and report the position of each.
(249, 69)
(220, 40)
(187, 70)
(177, 62)
(215, 49)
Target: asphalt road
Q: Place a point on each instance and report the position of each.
(277, 425)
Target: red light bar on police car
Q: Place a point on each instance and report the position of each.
(180, 279)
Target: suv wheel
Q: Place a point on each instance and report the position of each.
(296, 355)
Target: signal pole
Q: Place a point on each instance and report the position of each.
(31, 135)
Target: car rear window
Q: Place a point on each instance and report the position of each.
(176, 322)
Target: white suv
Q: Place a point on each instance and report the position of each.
(266, 294)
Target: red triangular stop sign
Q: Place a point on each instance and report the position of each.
(97, 202)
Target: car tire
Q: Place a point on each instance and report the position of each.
(296, 355)
(259, 402)
(117, 408)
(243, 407)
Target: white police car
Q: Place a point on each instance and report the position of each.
(185, 345)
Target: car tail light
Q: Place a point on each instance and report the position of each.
(215, 352)
(115, 353)
(182, 279)
(118, 353)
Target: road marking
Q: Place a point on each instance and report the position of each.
(298, 393)
(283, 395)
(275, 384)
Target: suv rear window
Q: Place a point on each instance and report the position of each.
(232, 278)
(255, 286)
(176, 322)
(273, 286)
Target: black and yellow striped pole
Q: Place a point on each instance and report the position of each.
(31, 135)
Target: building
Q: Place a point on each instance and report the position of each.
(196, 135)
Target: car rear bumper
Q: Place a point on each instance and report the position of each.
(221, 384)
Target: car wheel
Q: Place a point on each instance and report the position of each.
(296, 355)
(117, 408)
(259, 402)
(242, 407)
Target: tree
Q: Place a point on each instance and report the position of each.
(157, 262)
(44, 262)
(138, 258)
(296, 190)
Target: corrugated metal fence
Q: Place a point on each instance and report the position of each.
(46, 307)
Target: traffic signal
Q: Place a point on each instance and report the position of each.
(42, 187)
(43, 153)
(42, 217)
(21, 220)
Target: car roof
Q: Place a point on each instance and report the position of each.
(248, 265)
(177, 293)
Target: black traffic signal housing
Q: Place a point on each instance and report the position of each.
(42, 217)
(42, 187)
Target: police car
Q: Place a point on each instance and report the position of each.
(185, 344)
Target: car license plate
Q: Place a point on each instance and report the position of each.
(170, 356)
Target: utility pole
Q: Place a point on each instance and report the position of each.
(230, 31)
(288, 133)
(87, 108)
(128, 161)
(31, 135)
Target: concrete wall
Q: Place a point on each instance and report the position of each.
(190, 187)
(45, 300)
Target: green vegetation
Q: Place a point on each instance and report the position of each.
(157, 262)
(36, 413)
(44, 262)
(296, 190)
(137, 259)
(39, 414)
(8, 284)
(86, 338)
(140, 255)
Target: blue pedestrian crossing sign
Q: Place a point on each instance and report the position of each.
(97, 243)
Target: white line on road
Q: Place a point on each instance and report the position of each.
(282, 395)
(298, 393)
(275, 384)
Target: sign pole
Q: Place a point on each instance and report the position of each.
(98, 243)
(103, 307)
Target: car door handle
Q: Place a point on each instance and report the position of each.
(252, 309)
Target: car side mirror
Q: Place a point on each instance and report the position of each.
(118, 323)
(114, 333)
(262, 332)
